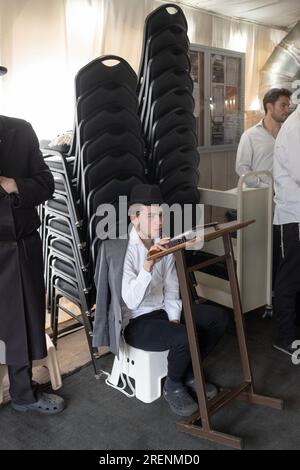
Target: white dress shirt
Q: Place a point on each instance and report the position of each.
(287, 171)
(255, 153)
(143, 291)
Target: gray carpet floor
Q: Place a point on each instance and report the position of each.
(98, 417)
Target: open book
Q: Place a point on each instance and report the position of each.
(184, 237)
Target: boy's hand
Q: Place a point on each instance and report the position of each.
(8, 184)
(158, 247)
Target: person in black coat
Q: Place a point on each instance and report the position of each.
(25, 183)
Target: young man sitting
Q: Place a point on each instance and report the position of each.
(152, 308)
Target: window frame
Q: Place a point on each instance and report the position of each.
(207, 53)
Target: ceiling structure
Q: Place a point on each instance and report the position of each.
(276, 13)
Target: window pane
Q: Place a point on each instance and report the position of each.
(218, 104)
(225, 100)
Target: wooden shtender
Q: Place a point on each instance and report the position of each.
(200, 424)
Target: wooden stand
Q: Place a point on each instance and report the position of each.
(200, 424)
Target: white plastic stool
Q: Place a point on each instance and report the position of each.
(50, 361)
(147, 368)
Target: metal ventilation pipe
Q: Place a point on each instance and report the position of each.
(283, 65)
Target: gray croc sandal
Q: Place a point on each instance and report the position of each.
(210, 388)
(180, 401)
(48, 404)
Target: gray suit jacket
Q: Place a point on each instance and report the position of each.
(108, 280)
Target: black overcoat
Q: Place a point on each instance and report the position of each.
(22, 291)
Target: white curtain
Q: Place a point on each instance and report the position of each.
(33, 47)
(45, 42)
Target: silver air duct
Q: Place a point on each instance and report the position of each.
(283, 65)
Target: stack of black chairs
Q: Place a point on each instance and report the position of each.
(106, 161)
(166, 106)
(109, 145)
(127, 130)
(66, 256)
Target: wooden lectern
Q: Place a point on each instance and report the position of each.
(200, 423)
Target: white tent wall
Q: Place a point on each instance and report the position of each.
(33, 47)
(44, 42)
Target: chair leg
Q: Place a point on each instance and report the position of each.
(52, 302)
(48, 292)
(47, 261)
(85, 315)
(89, 336)
(55, 318)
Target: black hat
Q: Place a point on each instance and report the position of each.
(146, 194)
(3, 70)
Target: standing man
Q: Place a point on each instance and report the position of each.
(25, 182)
(287, 225)
(256, 147)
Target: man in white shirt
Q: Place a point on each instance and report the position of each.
(256, 147)
(287, 224)
(150, 292)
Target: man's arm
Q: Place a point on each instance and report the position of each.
(39, 187)
(287, 149)
(244, 156)
(244, 160)
(172, 301)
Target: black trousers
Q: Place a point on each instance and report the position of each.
(154, 332)
(22, 389)
(276, 252)
(287, 282)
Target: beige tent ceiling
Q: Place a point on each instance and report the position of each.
(279, 13)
